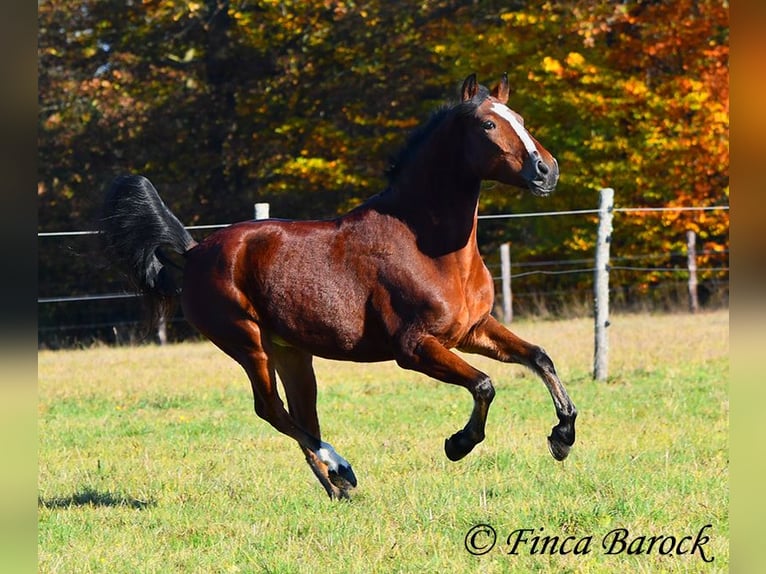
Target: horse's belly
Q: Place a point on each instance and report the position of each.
(327, 318)
(331, 337)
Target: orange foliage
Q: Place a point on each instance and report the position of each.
(301, 103)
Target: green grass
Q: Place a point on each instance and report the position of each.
(151, 460)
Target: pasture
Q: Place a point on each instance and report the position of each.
(152, 460)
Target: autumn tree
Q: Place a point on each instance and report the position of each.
(670, 62)
(629, 95)
(222, 103)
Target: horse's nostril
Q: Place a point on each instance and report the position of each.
(542, 169)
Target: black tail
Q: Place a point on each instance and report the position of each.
(136, 226)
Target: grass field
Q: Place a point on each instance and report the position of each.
(152, 460)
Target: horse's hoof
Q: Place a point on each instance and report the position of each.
(343, 478)
(558, 449)
(339, 494)
(457, 446)
(341, 485)
(562, 437)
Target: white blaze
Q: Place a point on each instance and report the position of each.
(520, 130)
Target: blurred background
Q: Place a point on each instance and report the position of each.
(300, 104)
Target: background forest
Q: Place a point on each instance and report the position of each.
(301, 103)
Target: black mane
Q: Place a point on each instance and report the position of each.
(421, 133)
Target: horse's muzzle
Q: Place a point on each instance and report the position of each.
(541, 176)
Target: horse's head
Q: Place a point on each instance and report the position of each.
(499, 147)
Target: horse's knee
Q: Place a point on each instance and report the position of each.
(543, 361)
(484, 390)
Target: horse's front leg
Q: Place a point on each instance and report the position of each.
(492, 339)
(428, 356)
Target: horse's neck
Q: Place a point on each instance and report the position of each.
(439, 206)
(436, 194)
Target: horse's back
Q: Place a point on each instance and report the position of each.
(297, 279)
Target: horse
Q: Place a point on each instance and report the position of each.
(399, 277)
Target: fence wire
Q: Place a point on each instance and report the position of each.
(480, 217)
(626, 210)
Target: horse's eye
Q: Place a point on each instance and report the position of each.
(488, 125)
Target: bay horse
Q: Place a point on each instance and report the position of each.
(397, 278)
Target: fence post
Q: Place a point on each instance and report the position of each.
(691, 256)
(601, 285)
(162, 330)
(505, 272)
(261, 210)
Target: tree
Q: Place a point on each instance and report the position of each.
(300, 104)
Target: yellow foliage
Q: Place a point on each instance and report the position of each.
(579, 243)
(635, 87)
(553, 66)
(519, 18)
(575, 60)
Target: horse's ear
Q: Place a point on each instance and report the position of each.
(470, 88)
(501, 90)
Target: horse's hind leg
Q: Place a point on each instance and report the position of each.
(296, 372)
(240, 337)
(269, 407)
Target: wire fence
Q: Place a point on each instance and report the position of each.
(521, 270)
